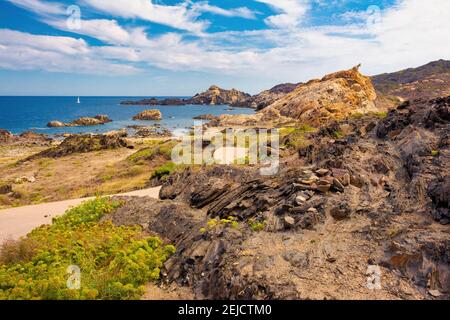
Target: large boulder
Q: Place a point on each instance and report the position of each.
(56, 124)
(153, 114)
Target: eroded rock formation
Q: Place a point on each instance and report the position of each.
(334, 97)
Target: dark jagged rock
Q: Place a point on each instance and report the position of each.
(5, 188)
(439, 192)
(145, 132)
(364, 196)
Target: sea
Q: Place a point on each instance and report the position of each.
(20, 114)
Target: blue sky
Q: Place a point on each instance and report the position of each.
(175, 47)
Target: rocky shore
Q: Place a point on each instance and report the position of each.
(363, 190)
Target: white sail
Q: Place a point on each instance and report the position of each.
(78, 101)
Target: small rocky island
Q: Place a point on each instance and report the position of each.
(148, 115)
(81, 122)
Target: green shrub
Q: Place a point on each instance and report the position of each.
(296, 137)
(162, 172)
(356, 115)
(435, 153)
(114, 261)
(163, 149)
(213, 223)
(256, 226)
(381, 114)
(338, 134)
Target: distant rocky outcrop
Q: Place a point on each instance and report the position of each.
(213, 96)
(216, 96)
(267, 97)
(153, 114)
(81, 122)
(155, 102)
(334, 97)
(426, 82)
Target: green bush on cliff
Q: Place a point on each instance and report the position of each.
(115, 262)
(162, 172)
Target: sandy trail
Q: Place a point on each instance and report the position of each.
(18, 222)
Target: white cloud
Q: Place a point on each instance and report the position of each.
(24, 51)
(176, 16)
(39, 6)
(65, 45)
(241, 12)
(291, 12)
(108, 31)
(411, 33)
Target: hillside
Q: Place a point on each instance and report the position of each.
(267, 97)
(426, 82)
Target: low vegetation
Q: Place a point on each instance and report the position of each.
(155, 149)
(114, 262)
(257, 225)
(213, 223)
(296, 137)
(163, 172)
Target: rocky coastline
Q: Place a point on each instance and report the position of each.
(81, 122)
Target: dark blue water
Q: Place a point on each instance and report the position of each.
(19, 114)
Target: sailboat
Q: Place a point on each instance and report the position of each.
(78, 101)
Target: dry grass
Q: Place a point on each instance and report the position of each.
(15, 251)
(78, 175)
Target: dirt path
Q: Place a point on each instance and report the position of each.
(17, 222)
